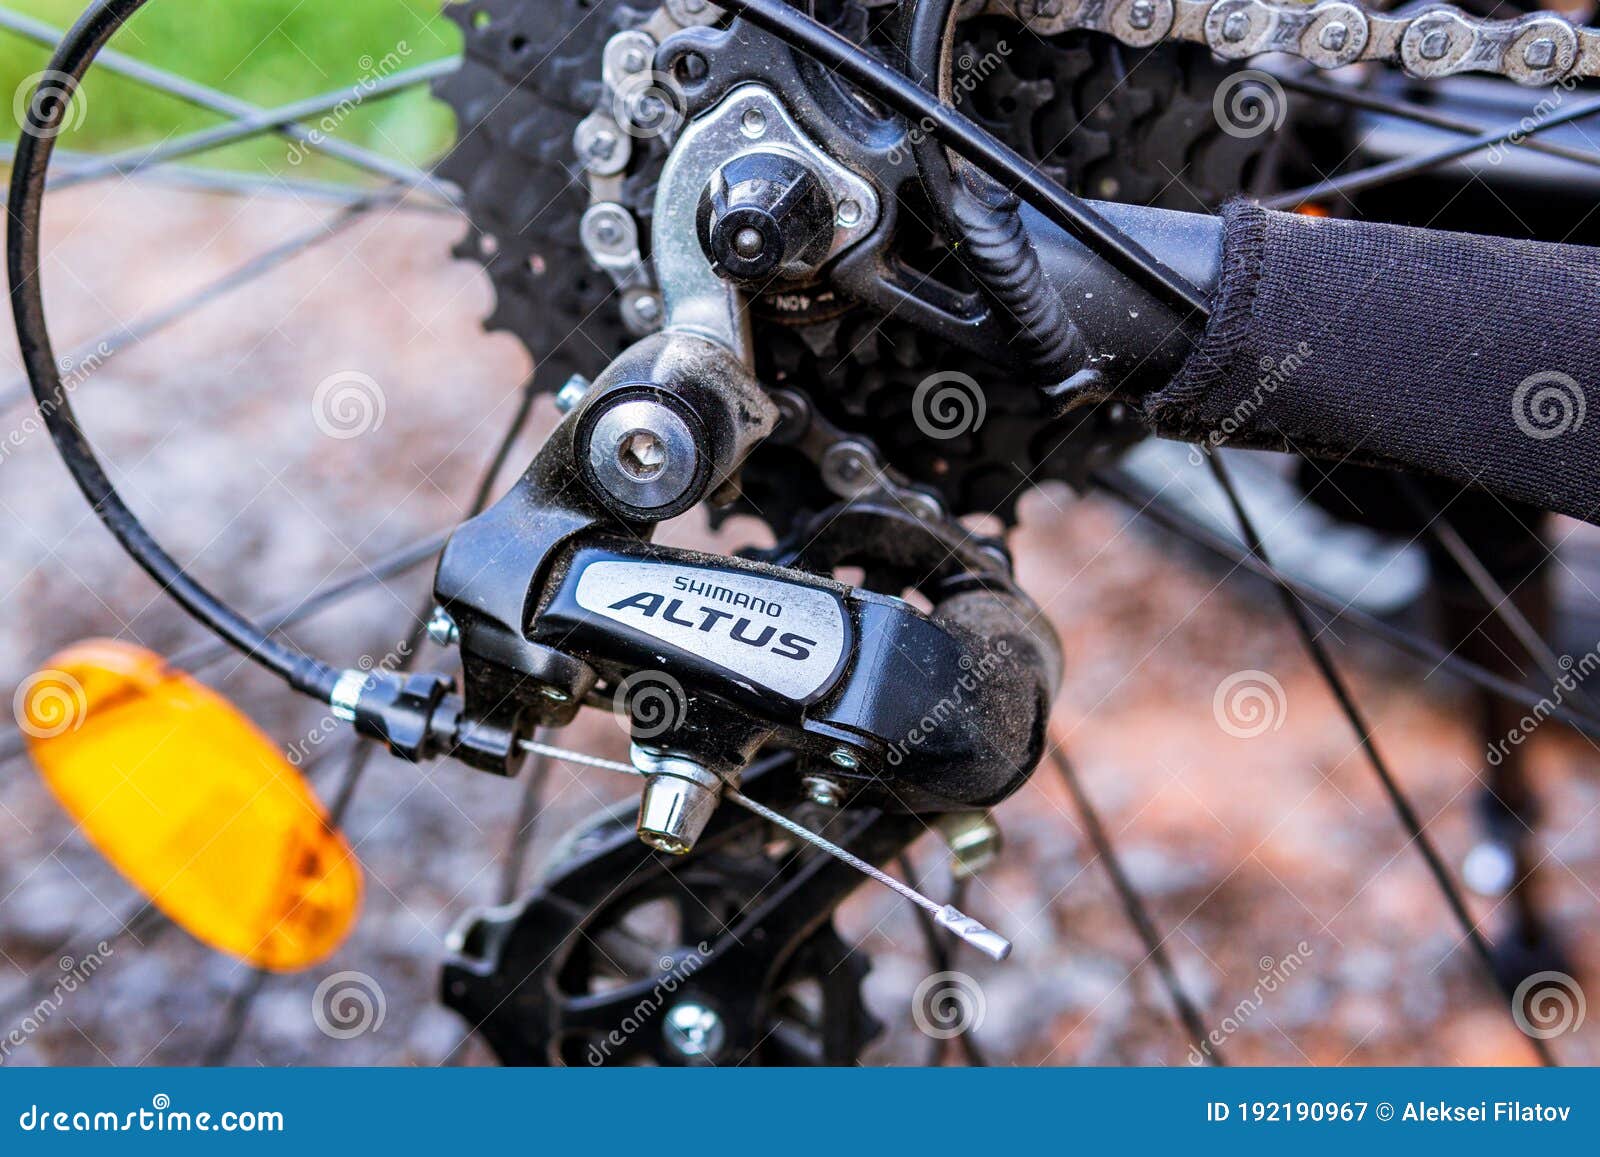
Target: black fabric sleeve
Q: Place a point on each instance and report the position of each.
(1471, 358)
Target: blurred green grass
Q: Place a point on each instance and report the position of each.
(268, 52)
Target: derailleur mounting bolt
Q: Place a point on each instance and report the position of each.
(442, 628)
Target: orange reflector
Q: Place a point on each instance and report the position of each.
(197, 808)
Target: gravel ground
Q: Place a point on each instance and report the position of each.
(1306, 928)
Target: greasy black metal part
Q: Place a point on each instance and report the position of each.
(980, 148)
(29, 174)
(765, 215)
(871, 272)
(751, 925)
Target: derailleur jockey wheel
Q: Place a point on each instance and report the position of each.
(725, 956)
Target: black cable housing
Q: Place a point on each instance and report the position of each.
(30, 169)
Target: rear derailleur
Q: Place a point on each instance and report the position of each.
(921, 690)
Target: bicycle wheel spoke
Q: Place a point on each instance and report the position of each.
(1424, 115)
(98, 351)
(1495, 597)
(1398, 800)
(361, 756)
(212, 100)
(132, 161)
(514, 859)
(937, 945)
(1133, 905)
(1402, 640)
(207, 180)
(1402, 167)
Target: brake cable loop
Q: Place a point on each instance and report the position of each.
(30, 169)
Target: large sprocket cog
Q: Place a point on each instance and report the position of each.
(1103, 120)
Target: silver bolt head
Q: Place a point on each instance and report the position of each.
(695, 1031)
(1142, 14)
(570, 394)
(1434, 45)
(823, 791)
(1235, 26)
(845, 758)
(674, 808)
(442, 628)
(849, 213)
(647, 306)
(1540, 53)
(753, 123)
(555, 694)
(1334, 36)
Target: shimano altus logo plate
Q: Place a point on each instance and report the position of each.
(769, 635)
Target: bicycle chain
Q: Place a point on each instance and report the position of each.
(1536, 49)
